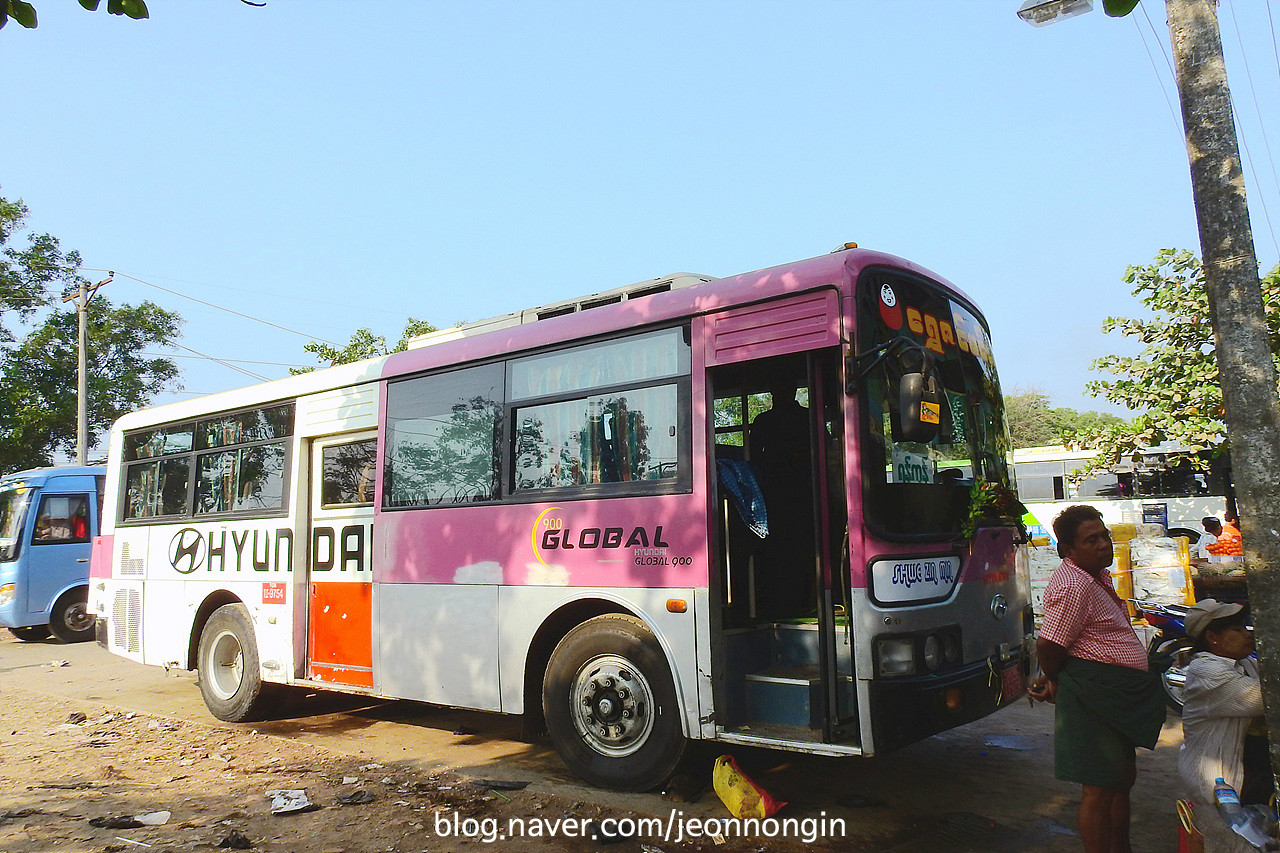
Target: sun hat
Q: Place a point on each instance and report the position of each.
(1205, 611)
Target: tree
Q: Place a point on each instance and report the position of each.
(1034, 423)
(1174, 380)
(1030, 418)
(25, 14)
(38, 378)
(363, 344)
(29, 274)
(38, 366)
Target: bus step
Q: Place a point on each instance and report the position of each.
(785, 696)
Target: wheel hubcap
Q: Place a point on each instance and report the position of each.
(78, 618)
(612, 706)
(225, 665)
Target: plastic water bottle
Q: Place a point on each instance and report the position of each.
(1226, 799)
(1247, 822)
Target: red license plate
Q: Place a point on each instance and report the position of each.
(1011, 684)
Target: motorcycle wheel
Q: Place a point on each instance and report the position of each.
(1169, 658)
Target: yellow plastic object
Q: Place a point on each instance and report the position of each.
(1039, 541)
(1123, 531)
(1123, 574)
(742, 797)
(1184, 557)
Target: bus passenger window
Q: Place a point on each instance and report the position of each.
(347, 479)
(442, 438)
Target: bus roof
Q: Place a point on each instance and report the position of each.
(39, 476)
(685, 295)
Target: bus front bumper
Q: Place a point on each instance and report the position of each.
(905, 710)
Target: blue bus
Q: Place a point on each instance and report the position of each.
(48, 518)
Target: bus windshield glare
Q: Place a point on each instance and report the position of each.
(13, 512)
(913, 488)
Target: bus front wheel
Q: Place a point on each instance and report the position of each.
(610, 705)
(230, 678)
(71, 621)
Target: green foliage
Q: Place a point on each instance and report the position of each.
(38, 378)
(1119, 8)
(28, 274)
(1034, 423)
(25, 14)
(992, 502)
(38, 371)
(1174, 380)
(363, 344)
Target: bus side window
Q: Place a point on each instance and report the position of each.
(62, 519)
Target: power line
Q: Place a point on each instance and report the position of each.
(1262, 128)
(1156, 71)
(231, 360)
(284, 296)
(220, 308)
(248, 373)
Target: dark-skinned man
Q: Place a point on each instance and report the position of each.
(1094, 668)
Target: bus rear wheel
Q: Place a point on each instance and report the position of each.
(610, 705)
(71, 621)
(230, 677)
(30, 633)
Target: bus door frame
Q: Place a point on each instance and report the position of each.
(810, 324)
(339, 646)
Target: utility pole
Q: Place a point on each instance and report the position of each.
(81, 299)
(1245, 367)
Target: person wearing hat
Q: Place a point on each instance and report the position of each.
(1223, 734)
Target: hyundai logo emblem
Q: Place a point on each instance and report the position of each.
(999, 607)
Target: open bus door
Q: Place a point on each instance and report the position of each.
(785, 655)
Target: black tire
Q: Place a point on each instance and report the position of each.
(71, 621)
(229, 673)
(31, 633)
(1169, 659)
(610, 705)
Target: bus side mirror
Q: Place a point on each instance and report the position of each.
(920, 403)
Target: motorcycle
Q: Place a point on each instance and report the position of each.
(1170, 649)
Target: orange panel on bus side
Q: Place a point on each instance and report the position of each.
(341, 642)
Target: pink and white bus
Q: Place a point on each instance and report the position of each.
(770, 509)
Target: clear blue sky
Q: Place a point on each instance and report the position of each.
(330, 165)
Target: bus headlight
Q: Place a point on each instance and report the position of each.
(6, 594)
(932, 654)
(951, 649)
(895, 656)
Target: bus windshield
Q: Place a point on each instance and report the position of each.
(922, 488)
(13, 512)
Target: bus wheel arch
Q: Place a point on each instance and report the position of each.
(70, 619)
(230, 674)
(544, 642)
(207, 607)
(611, 706)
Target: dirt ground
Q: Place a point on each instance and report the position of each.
(60, 771)
(143, 746)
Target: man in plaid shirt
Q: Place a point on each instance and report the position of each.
(1094, 668)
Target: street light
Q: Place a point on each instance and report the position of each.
(1039, 13)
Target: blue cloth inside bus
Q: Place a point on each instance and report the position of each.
(739, 481)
